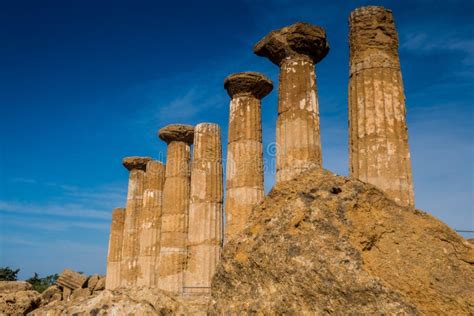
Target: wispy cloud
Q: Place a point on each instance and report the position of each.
(65, 210)
(56, 224)
(428, 42)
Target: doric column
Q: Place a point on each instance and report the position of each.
(149, 223)
(129, 268)
(174, 218)
(205, 210)
(244, 169)
(379, 152)
(296, 49)
(114, 255)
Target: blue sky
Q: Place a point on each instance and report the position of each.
(85, 83)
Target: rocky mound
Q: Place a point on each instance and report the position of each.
(17, 298)
(327, 244)
(139, 301)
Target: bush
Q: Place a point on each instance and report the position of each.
(41, 284)
(7, 274)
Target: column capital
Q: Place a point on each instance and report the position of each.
(248, 83)
(177, 132)
(135, 162)
(292, 41)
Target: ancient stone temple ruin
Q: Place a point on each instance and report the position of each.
(171, 232)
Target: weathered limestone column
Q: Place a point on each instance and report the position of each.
(174, 218)
(296, 49)
(244, 169)
(129, 268)
(379, 152)
(114, 255)
(205, 210)
(149, 223)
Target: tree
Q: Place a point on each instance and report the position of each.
(41, 284)
(7, 274)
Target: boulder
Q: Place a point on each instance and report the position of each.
(78, 293)
(326, 244)
(100, 285)
(14, 286)
(51, 294)
(19, 302)
(92, 281)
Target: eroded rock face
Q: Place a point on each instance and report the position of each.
(17, 298)
(328, 244)
(14, 286)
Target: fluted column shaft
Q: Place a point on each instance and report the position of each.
(205, 210)
(149, 223)
(244, 168)
(174, 220)
(114, 255)
(379, 153)
(298, 132)
(129, 269)
(296, 49)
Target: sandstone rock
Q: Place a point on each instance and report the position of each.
(78, 293)
(51, 294)
(19, 302)
(325, 244)
(138, 301)
(14, 286)
(100, 285)
(92, 281)
(66, 293)
(71, 279)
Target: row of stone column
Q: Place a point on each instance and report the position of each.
(378, 146)
(184, 242)
(169, 235)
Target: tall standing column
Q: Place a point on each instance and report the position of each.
(174, 219)
(296, 49)
(149, 223)
(114, 255)
(244, 169)
(205, 210)
(379, 152)
(129, 268)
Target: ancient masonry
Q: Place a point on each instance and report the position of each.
(174, 218)
(296, 49)
(205, 209)
(379, 152)
(170, 234)
(114, 256)
(244, 170)
(149, 223)
(130, 245)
